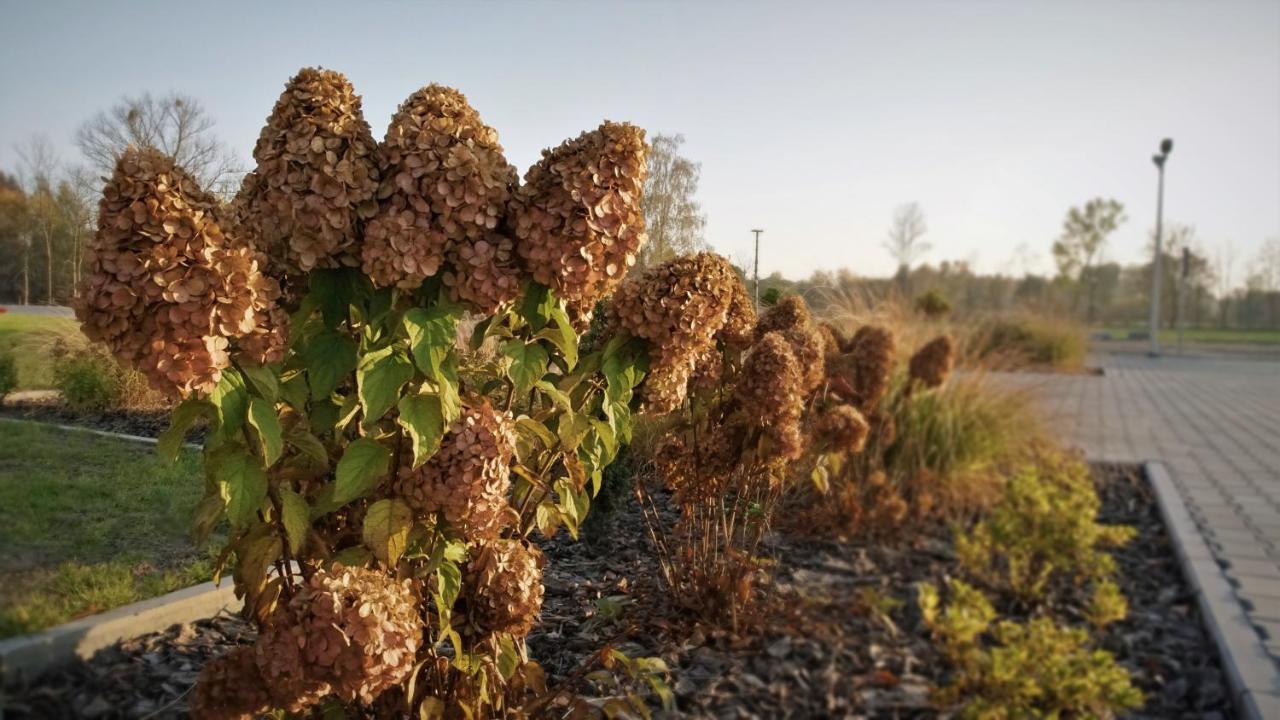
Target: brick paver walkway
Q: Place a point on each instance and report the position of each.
(1215, 424)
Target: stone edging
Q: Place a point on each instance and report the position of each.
(1251, 672)
(26, 656)
(94, 431)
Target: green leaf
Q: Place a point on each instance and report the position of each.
(379, 378)
(450, 402)
(308, 445)
(556, 395)
(294, 391)
(330, 356)
(336, 290)
(527, 363)
(536, 306)
(364, 463)
(480, 332)
(230, 402)
(263, 380)
(296, 516)
(423, 417)
(563, 336)
(354, 556)
(263, 419)
(180, 421)
(208, 513)
(386, 530)
(432, 334)
(572, 429)
(448, 585)
(242, 481)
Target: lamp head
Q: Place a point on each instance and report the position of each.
(1166, 146)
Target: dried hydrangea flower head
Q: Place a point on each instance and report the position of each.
(694, 474)
(679, 307)
(790, 316)
(445, 188)
(740, 324)
(770, 394)
(484, 274)
(316, 175)
(504, 586)
(866, 368)
(832, 341)
(356, 633)
(577, 218)
(932, 363)
(469, 477)
(230, 688)
(842, 428)
(163, 288)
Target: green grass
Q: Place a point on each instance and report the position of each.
(87, 524)
(1029, 341)
(29, 338)
(1204, 335)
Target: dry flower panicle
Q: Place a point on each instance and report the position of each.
(230, 688)
(316, 176)
(504, 579)
(164, 289)
(445, 188)
(932, 363)
(770, 394)
(867, 366)
(842, 428)
(469, 477)
(577, 217)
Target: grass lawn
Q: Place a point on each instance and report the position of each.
(89, 523)
(29, 338)
(1206, 335)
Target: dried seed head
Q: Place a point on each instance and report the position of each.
(164, 288)
(469, 477)
(484, 275)
(351, 632)
(867, 366)
(316, 176)
(770, 393)
(577, 218)
(789, 312)
(842, 428)
(445, 188)
(791, 317)
(832, 341)
(230, 688)
(680, 307)
(504, 586)
(932, 363)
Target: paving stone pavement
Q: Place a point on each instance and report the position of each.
(1214, 422)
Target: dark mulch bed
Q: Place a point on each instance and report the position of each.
(144, 423)
(824, 651)
(1162, 642)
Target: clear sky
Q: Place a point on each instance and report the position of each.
(811, 120)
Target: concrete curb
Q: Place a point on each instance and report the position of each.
(1250, 670)
(26, 656)
(94, 431)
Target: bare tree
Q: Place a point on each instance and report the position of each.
(76, 200)
(1084, 234)
(906, 233)
(1266, 267)
(673, 218)
(175, 124)
(1224, 261)
(39, 163)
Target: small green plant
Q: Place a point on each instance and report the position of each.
(8, 374)
(87, 378)
(1005, 669)
(1043, 528)
(933, 305)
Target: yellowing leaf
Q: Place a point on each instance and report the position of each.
(296, 517)
(266, 425)
(364, 463)
(386, 529)
(423, 417)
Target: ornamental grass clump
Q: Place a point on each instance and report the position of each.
(377, 495)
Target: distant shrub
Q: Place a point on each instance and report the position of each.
(1043, 529)
(933, 305)
(87, 379)
(1030, 341)
(1015, 670)
(8, 374)
(771, 297)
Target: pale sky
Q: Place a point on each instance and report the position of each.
(811, 120)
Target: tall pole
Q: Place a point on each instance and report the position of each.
(1166, 146)
(756, 271)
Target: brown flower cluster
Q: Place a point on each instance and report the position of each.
(862, 373)
(770, 394)
(230, 687)
(681, 307)
(504, 586)
(348, 632)
(932, 363)
(696, 473)
(842, 428)
(445, 188)
(468, 478)
(316, 176)
(164, 288)
(577, 218)
(790, 317)
(484, 274)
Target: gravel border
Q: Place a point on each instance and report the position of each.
(1250, 670)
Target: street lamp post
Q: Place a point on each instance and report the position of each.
(1166, 147)
(756, 271)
